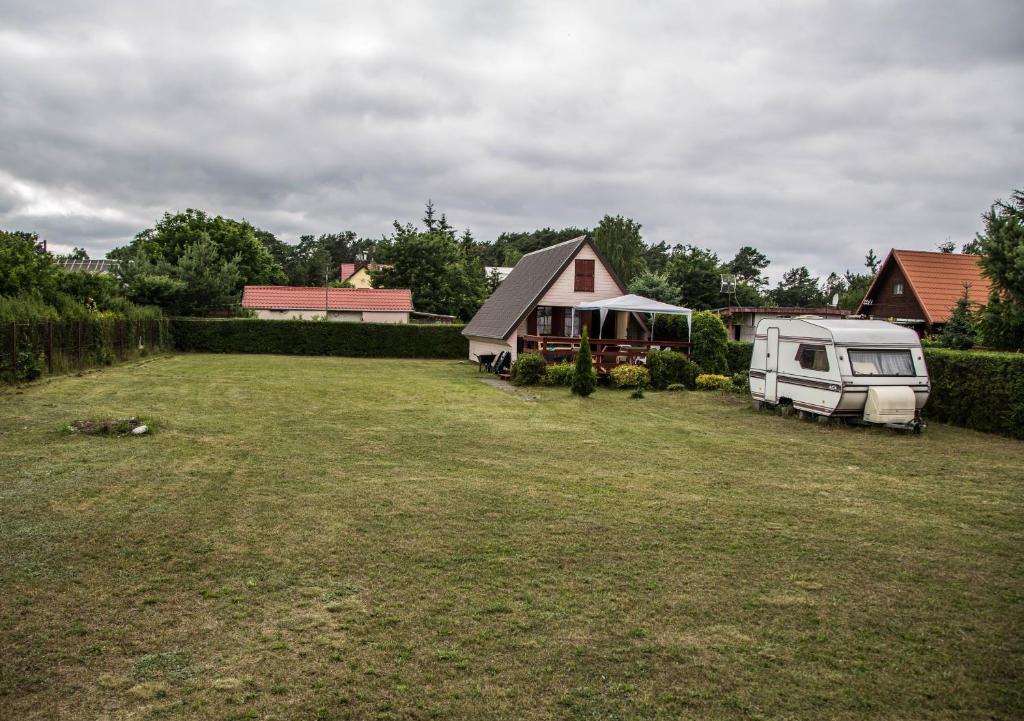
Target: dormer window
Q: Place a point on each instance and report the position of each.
(584, 276)
(897, 288)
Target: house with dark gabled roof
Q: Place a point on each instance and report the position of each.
(919, 288)
(533, 308)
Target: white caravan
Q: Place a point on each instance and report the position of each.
(863, 370)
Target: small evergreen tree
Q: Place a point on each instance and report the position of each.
(584, 380)
(710, 339)
(959, 332)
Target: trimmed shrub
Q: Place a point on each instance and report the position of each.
(741, 382)
(559, 374)
(303, 337)
(668, 367)
(675, 387)
(709, 342)
(528, 369)
(713, 382)
(630, 376)
(983, 390)
(584, 379)
(738, 354)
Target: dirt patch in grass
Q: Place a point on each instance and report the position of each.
(107, 427)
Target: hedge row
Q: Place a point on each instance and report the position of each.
(738, 353)
(978, 389)
(305, 337)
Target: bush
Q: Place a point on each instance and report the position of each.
(977, 389)
(738, 354)
(668, 367)
(528, 369)
(710, 340)
(584, 380)
(741, 382)
(675, 387)
(713, 382)
(559, 374)
(303, 337)
(630, 376)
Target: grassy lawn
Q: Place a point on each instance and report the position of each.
(309, 538)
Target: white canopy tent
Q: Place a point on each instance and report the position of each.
(636, 304)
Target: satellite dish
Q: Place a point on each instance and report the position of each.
(835, 300)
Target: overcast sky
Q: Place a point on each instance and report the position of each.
(811, 130)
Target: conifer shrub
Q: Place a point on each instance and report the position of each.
(584, 379)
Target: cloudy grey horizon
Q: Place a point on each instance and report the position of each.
(810, 130)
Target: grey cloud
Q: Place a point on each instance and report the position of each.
(811, 130)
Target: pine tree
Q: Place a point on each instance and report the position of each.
(584, 381)
(959, 332)
(871, 261)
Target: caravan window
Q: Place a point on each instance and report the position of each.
(812, 357)
(881, 362)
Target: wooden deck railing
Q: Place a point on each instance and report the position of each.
(607, 352)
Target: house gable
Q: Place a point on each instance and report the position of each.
(529, 282)
(562, 292)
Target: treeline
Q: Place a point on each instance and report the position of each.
(35, 287)
(193, 264)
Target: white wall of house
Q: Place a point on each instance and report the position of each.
(335, 315)
(482, 346)
(562, 290)
(378, 316)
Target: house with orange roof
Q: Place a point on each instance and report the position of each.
(366, 305)
(919, 288)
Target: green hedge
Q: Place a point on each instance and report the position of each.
(978, 389)
(308, 337)
(738, 354)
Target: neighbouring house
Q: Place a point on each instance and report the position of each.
(740, 321)
(358, 273)
(359, 305)
(919, 288)
(100, 266)
(537, 307)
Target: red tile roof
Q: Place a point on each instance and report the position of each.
(283, 297)
(937, 279)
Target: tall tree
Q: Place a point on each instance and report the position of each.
(656, 257)
(1002, 261)
(798, 288)
(656, 286)
(871, 261)
(619, 240)
(234, 240)
(434, 266)
(748, 266)
(24, 265)
(959, 331)
(696, 273)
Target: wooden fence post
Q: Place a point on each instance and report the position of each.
(49, 347)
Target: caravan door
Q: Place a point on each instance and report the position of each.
(771, 375)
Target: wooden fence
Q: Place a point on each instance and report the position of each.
(28, 349)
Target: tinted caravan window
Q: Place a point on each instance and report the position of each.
(881, 362)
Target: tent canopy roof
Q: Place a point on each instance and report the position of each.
(636, 304)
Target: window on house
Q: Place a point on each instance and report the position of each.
(567, 323)
(812, 357)
(584, 276)
(543, 320)
(897, 288)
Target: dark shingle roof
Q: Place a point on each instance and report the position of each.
(521, 290)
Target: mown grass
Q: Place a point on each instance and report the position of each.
(327, 538)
